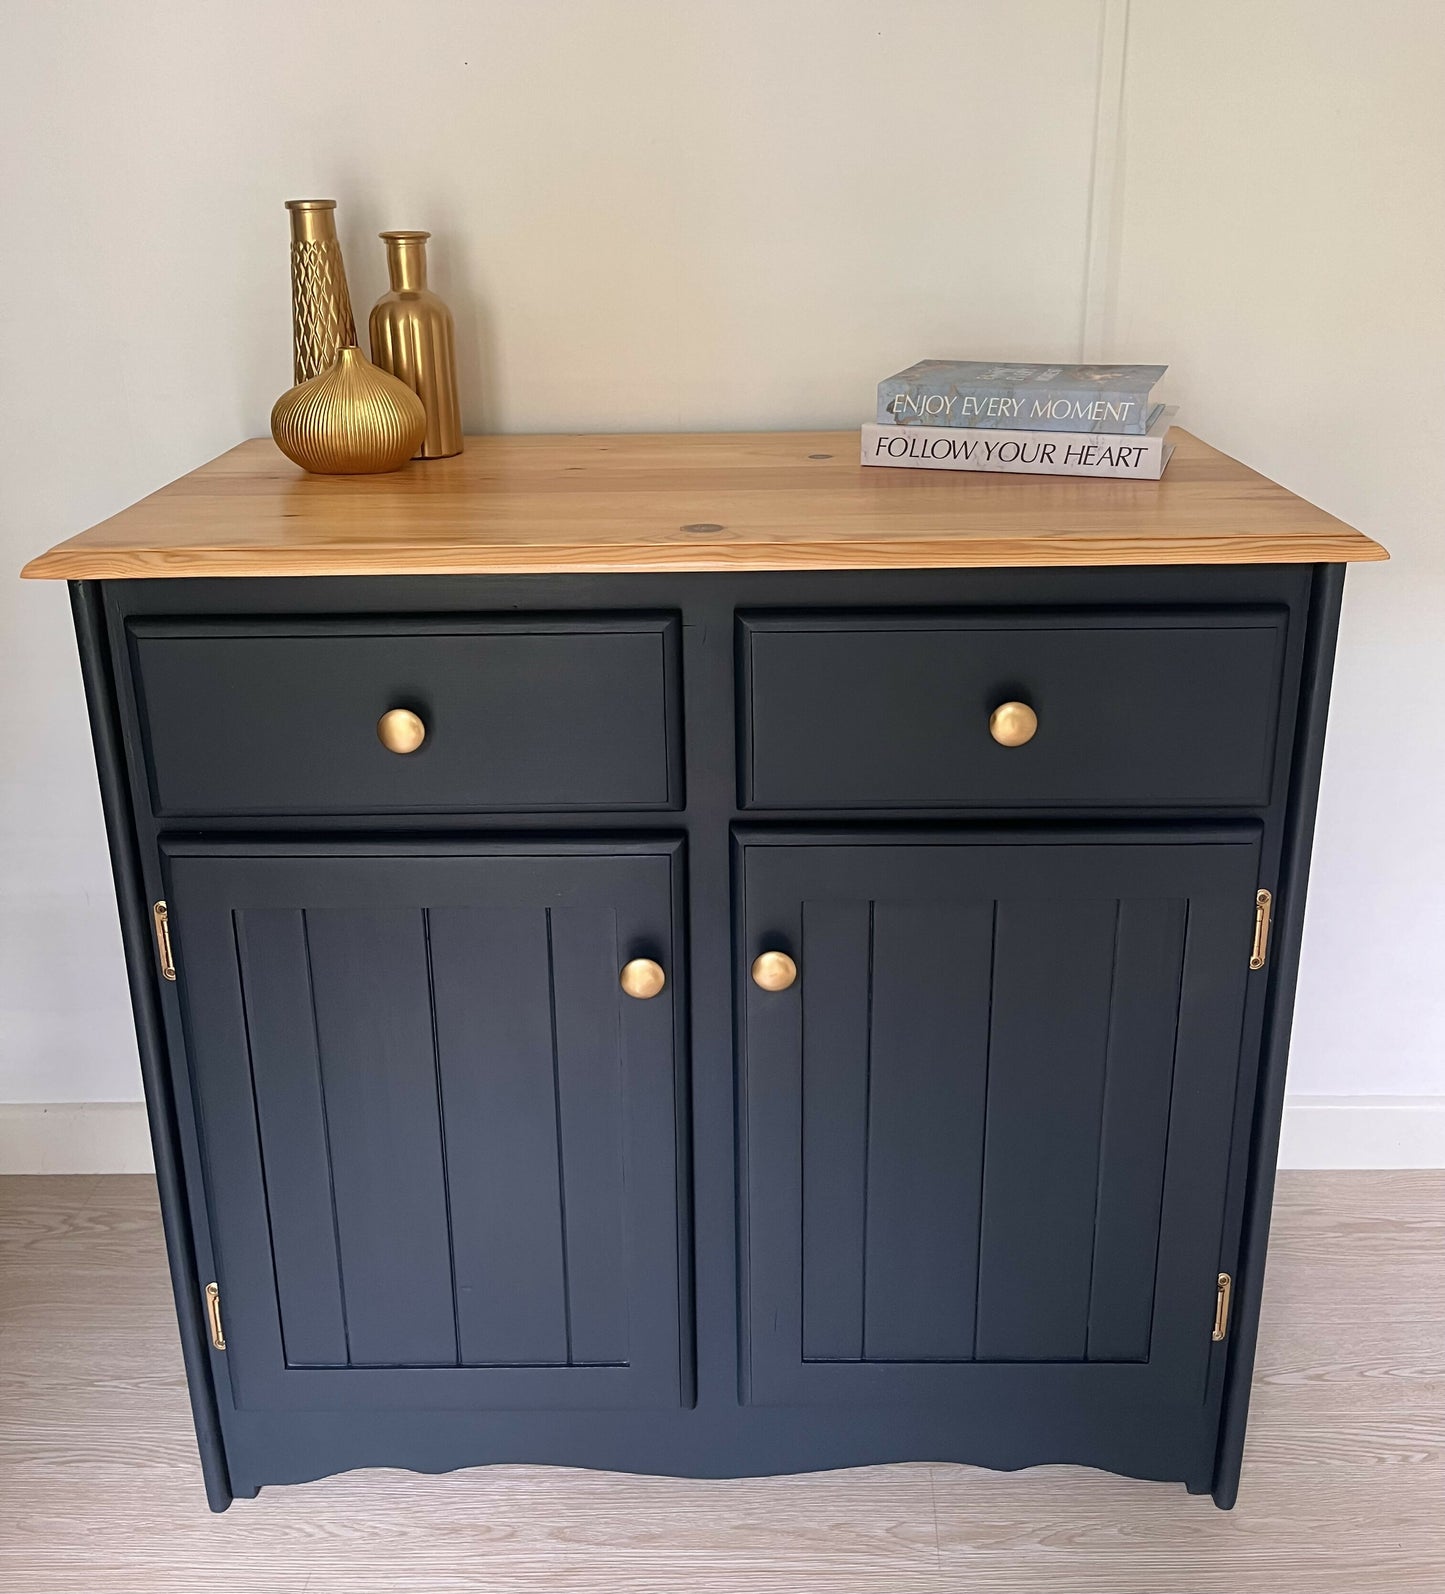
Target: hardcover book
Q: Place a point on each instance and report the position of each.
(1026, 398)
(1022, 452)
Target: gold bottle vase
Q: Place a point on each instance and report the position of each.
(321, 320)
(413, 338)
(350, 420)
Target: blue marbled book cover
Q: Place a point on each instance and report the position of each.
(1026, 398)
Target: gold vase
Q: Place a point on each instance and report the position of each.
(412, 337)
(321, 319)
(350, 420)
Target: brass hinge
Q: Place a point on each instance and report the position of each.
(1222, 1292)
(161, 917)
(213, 1315)
(1262, 904)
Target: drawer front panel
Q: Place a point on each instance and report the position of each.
(252, 717)
(1174, 708)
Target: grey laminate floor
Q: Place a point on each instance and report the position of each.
(1344, 1485)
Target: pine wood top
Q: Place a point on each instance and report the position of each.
(711, 501)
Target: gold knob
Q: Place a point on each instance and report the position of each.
(400, 730)
(1012, 724)
(774, 971)
(642, 978)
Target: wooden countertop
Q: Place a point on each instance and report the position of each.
(712, 501)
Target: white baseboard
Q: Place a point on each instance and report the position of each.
(74, 1137)
(1363, 1132)
(1319, 1132)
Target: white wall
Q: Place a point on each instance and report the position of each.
(1281, 237)
(656, 215)
(646, 215)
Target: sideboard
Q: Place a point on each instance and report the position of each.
(686, 955)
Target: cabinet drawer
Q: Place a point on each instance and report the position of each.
(1173, 708)
(277, 717)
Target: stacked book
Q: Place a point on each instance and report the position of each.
(1040, 420)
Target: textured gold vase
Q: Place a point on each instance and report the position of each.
(321, 319)
(350, 420)
(413, 337)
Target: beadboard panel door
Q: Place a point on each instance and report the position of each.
(441, 1143)
(986, 1133)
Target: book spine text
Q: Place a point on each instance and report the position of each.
(1062, 454)
(1050, 410)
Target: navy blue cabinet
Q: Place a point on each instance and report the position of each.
(987, 1128)
(1166, 708)
(440, 1140)
(483, 1133)
(260, 716)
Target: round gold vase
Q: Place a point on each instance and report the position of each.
(350, 420)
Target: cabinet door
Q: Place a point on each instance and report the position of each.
(440, 1142)
(986, 1131)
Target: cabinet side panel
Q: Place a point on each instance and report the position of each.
(1282, 971)
(105, 730)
